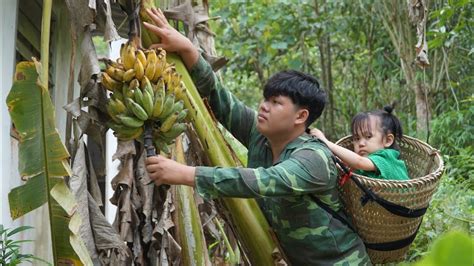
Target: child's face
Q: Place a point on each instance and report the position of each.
(369, 140)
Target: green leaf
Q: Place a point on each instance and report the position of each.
(43, 161)
(18, 229)
(454, 248)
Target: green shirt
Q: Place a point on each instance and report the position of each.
(307, 233)
(388, 165)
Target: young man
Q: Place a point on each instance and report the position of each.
(286, 166)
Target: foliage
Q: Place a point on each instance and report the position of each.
(451, 133)
(10, 249)
(453, 248)
(262, 37)
(452, 205)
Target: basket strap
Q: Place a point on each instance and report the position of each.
(389, 206)
(393, 245)
(332, 212)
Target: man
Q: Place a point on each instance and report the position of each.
(286, 166)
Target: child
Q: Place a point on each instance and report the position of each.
(376, 153)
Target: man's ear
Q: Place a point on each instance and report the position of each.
(388, 140)
(301, 116)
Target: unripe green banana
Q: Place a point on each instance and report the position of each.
(148, 103)
(160, 145)
(169, 122)
(117, 95)
(182, 115)
(112, 113)
(158, 104)
(130, 121)
(167, 106)
(127, 133)
(116, 106)
(138, 96)
(175, 131)
(137, 110)
(178, 106)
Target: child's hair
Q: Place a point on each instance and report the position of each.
(388, 122)
(303, 90)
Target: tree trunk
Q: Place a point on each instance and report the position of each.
(394, 15)
(326, 75)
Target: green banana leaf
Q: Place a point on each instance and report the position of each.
(43, 164)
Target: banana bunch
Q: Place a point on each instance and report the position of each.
(144, 88)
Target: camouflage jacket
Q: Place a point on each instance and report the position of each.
(307, 233)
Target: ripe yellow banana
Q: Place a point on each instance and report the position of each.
(141, 57)
(129, 57)
(169, 122)
(139, 70)
(128, 75)
(134, 84)
(110, 83)
(115, 73)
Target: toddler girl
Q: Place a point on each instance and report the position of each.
(376, 153)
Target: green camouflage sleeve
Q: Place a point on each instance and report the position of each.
(306, 171)
(229, 111)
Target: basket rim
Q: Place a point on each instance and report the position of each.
(433, 176)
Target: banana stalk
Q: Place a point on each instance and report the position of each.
(251, 226)
(191, 236)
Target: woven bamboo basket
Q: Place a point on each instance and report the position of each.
(377, 225)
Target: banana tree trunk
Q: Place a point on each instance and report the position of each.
(189, 226)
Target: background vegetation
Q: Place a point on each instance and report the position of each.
(348, 40)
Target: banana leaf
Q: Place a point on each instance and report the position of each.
(43, 164)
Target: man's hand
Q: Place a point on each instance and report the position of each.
(171, 39)
(165, 171)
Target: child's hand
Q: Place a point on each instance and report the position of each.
(318, 134)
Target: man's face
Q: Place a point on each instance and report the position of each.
(276, 116)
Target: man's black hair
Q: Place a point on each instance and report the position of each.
(301, 88)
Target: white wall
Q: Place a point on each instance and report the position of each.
(9, 176)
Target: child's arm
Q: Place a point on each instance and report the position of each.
(351, 158)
